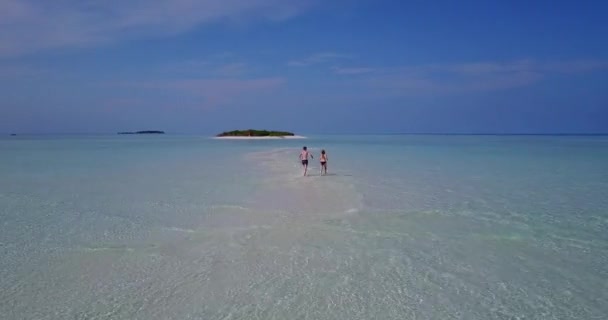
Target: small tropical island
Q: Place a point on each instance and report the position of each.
(143, 132)
(253, 134)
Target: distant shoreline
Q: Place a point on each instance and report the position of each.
(143, 132)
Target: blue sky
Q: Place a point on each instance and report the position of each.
(311, 66)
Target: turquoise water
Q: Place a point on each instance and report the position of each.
(403, 227)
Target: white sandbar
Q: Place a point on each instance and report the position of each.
(257, 138)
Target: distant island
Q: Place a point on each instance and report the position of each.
(144, 132)
(256, 134)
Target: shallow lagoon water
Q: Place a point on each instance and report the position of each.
(404, 227)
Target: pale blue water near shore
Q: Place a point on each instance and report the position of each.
(404, 227)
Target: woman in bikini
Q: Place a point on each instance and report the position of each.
(323, 160)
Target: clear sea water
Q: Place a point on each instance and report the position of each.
(403, 227)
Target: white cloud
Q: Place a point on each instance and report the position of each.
(481, 68)
(471, 77)
(33, 25)
(353, 71)
(528, 65)
(222, 65)
(576, 66)
(317, 58)
(214, 91)
(231, 69)
(20, 71)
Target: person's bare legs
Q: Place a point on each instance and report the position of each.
(305, 169)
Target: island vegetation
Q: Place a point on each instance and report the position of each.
(143, 132)
(255, 133)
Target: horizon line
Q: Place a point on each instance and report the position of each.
(347, 133)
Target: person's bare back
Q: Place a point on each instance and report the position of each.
(304, 154)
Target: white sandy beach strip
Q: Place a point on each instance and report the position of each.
(258, 138)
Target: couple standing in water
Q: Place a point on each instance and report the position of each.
(304, 158)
